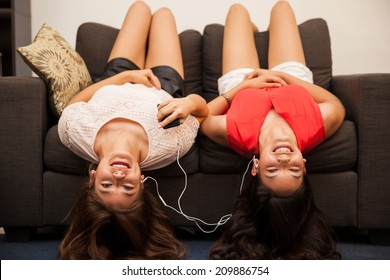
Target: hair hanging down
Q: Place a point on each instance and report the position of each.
(264, 226)
(140, 232)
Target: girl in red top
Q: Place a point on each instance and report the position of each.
(272, 116)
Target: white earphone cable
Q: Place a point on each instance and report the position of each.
(223, 220)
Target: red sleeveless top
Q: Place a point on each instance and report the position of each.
(293, 103)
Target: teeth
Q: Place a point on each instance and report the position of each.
(283, 150)
(120, 165)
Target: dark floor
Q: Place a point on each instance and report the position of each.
(352, 245)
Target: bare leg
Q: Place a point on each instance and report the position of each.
(164, 44)
(284, 39)
(239, 49)
(133, 35)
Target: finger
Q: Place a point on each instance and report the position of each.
(275, 79)
(280, 81)
(250, 75)
(163, 122)
(147, 82)
(163, 111)
(170, 118)
(163, 104)
(273, 85)
(155, 81)
(283, 82)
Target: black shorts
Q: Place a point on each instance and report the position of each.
(170, 79)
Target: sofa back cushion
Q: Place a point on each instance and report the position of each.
(94, 43)
(316, 44)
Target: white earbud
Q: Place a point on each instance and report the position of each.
(256, 162)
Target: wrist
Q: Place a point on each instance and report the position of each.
(191, 101)
(227, 98)
(198, 106)
(284, 76)
(229, 95)
(128, 76)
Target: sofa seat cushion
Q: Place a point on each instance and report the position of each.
(336, 154)
(60, 159)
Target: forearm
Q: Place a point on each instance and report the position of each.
(199, 108)
(86, 94)
(332, 109)
(219, 105)
(319, 94)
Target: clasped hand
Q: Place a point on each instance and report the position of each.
(169, 109)
(144, 77)
(263, 78)
(175, 108)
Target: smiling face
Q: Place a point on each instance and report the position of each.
(282, 167)
(117, 180)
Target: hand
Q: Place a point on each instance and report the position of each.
(260, 72)
(175, 108)
(144, 77)
(262, 78)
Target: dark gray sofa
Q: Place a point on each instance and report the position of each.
(349, 172)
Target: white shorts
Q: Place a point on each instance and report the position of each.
(234, 77)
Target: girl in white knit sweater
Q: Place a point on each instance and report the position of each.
(120, 124)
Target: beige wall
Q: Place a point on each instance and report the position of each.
(360, 29)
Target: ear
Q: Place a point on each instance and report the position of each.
(92, 176)
(255, 167)
(304, 166)
(142, 181)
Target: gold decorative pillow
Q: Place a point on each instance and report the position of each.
(58, 64)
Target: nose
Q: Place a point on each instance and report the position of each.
(284, 158)
(119, 174)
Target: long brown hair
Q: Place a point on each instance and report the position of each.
(139, 232)
(264, 226)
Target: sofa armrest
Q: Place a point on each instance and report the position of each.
(23, 125)
(366, 98)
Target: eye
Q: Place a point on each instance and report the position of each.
(294, 170)
(272, 170)
(128, 188)
(106, 185)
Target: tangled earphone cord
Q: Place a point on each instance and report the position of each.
(223, 220)
(197, 221)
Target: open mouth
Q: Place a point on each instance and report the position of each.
(120, 165)
(283, 149)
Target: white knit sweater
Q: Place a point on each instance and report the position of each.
(81, 121)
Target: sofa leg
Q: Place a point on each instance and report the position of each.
(19, 234)
(380, 237)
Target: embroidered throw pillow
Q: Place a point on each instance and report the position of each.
(58, 64)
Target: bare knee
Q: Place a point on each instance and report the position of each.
(238, 12)
(280, 6)
(140, 7)
(238, 9)
(163, 13)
